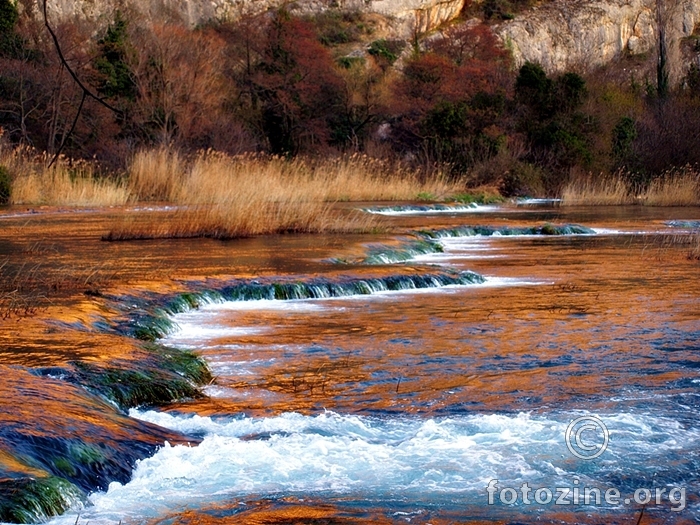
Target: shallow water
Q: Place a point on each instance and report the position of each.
(403, 406)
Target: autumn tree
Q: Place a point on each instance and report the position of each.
(296, 84)
(178, 81)
(452, 97)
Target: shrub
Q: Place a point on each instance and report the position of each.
(8, 21)
(5, 186)
(523, 180)
(335, 27)
(388, 50)
(624, 133)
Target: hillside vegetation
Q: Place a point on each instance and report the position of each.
(449, 103)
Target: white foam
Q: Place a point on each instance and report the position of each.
(526, 202)
(456, 209)
(450, 257)
(195, 331)
(294, 305)
(610, 231)
(468, 243)
(446, 460)
(512, 281)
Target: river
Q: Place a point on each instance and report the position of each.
(562, 387)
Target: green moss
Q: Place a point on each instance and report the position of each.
(406, 251)
(86, 454)
(169, 375)
(30, 500)
(152, 328)
(487, 231)
(64, 466)
(477, 198)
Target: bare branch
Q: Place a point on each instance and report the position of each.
(86, 91)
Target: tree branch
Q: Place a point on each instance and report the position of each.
(70, 131)
(86, 91)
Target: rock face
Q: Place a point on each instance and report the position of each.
(409, 16)
(418, 16)
(581, 34)
(560, 35)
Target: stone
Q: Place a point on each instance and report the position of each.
(410, 17)
(580, 35)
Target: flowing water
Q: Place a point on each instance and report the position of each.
(435, 399)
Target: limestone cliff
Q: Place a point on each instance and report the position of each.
(582, 34)
(408, 16)
(561, 35)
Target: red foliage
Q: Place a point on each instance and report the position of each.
(298, 84)
(471, 43)
(465, 61)
(179, 80)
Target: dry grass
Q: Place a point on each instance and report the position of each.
(27, 286)
(609, 191)
(165, 175)
(226, 197)
(156, 175)
(64, 184)
(222, 196)
(694, 252)
(675, 188)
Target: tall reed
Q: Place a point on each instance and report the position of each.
(63, 184)
(676, 187)
(607, 191)
(694, 252)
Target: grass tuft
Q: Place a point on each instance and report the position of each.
(170, 375)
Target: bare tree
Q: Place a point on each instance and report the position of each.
(179, 79)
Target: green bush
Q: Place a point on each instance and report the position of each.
(624, 134)
(9, 41)
(335, 27)
(477, 198)
(388, 50)
(5, 186)
(502, 9)
(8, 17)
(350, 62)
(117, 76)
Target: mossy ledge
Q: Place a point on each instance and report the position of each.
(490, 231)
(428, 241)
(35, 500)
(168, 375)
(150, 324)
(392, 254)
